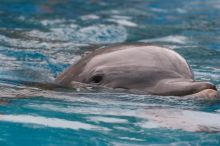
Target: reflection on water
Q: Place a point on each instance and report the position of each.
(39, 39)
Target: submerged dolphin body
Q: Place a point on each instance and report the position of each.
(151, 69)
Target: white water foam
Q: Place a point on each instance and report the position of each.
(183, 119)
(169, 39)
(124, 22)
(107, 119)
(49, 122)
(89, 17)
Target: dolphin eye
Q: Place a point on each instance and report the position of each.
(96, 79)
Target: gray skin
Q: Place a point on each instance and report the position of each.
(151, 69)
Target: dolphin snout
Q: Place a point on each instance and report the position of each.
(208, 93)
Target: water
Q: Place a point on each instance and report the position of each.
(39, 39)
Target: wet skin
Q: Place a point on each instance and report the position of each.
(151, 69)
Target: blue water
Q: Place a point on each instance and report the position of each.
(40, 38)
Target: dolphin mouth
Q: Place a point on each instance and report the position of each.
(207, 90)
(207, 93)
(213, 87)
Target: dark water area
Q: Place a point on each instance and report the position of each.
(41, 38)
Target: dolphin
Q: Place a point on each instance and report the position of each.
(150, 69)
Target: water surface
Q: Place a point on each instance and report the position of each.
(39, 39)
